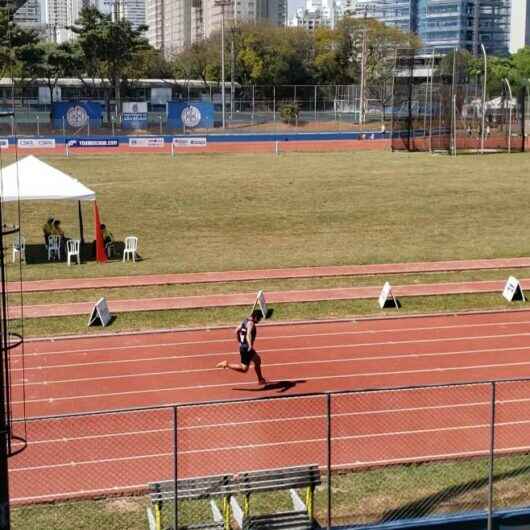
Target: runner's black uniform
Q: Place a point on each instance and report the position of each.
(245, 349)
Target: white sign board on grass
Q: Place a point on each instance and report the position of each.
(100, 313)
(513, 290)
(386, 296)
(261, 302)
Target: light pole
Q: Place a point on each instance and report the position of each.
(364, 33)
(510, 101)
(483, 135)
(222, 4)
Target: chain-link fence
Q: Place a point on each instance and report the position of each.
(252, 108)
(350, 458)
(446, 111)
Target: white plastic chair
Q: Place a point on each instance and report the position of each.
(131, 246)
(19, 247)
(54, 247)
(72, 249)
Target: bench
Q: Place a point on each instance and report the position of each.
(252, 482)
(200, 488)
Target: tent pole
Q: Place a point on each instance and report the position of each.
(81, 235)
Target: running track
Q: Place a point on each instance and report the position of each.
(120, 452)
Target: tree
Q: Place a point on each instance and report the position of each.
(18, 50)
(109, 48)
(55, 61)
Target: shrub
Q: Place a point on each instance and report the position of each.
(289, 112)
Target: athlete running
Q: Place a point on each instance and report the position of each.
(246, 335)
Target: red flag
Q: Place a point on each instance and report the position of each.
(101, 256)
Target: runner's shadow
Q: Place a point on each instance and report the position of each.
(280, 386)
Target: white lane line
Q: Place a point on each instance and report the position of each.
(253, 422)
(269, 421)
(74, 464)
(79, 493)
(299, 376)
(246, 447)
(275, 337)
(430, 457)
(284, 350)
(414, 356)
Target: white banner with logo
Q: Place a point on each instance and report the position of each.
(36, 143)
(134, 115)
(146, 142)
(4, 143)
(190, 141)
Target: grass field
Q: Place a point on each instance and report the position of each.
(226, 212)
(221, 212)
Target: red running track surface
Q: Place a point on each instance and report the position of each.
(117, 452)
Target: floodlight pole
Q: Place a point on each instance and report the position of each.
(222, 4)
(483, 135)
(509, 114)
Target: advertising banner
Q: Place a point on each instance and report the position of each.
(146, 142)
(190, 141)
(36, 143)
(77, 114)
(4, 143)
(190, 115)
(134, 115)
(93, 142)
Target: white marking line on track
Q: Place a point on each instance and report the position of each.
(301, 348)
(427, 458)
(267, 445)
(301, 376)
(357, 464)
(275, 337)
(80, 493)
(268, 421)
(414, 356)
(90, 462)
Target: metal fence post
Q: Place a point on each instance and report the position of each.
(253, 102)
(175, 465)
(491, 457)
(328, 459)
(274, 104)
(315, 102)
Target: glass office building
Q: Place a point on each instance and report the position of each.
(449, 24)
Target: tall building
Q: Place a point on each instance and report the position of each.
(520, 27)
(132, 10)
(447, 24)
(176, 24)
(29, 14)
(57, 19)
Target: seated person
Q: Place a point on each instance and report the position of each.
(47, 229)
(107, 238)
(57, 229)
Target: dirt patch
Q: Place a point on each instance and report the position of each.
(123, 505)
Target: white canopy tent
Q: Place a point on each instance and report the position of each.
(32, 179)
